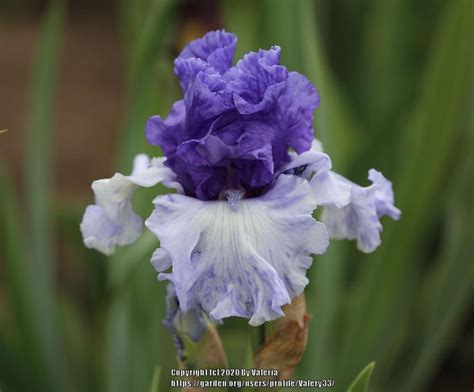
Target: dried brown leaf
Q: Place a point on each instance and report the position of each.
(285, 341)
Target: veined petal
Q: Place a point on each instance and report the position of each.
(257, 80)
(296, 106)
(216, 48)
(191, 323)
(359, 219)
(111, 221)
(240, 257)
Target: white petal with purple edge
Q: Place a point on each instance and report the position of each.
(330, 189)
(314, 165)
(247, 258)
(359, 219)
(111, 221)
(351, 211)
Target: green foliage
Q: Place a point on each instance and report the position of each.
(30, 260)
(155, 381)
(362, 381)
(396, 86)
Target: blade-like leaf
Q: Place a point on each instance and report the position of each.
(244, 24)
(432, 133)
(38, 170)
(449, 292)
(142, 81)
(20, 285)
(133, 322)
(336, 123)
(155, 381)
(361, 382)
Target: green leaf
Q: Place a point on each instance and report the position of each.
(389, 280)
(244, 24)
(118, 342)
(20, 286)
(281, 27)
(147, 40)
(324, 296)
(142, 78)
(38, 157)
(38, 169)
(132, 14)
(127, 260)
(386, 61)
(133, 322)
(361, 382)
(449, 291)
(16, 374)
(155, 381)
(336, 124)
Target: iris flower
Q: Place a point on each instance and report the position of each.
(236, 238)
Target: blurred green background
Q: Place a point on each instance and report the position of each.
(78, 82)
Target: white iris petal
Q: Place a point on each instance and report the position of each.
(111, 221)
(315, 166)
(240, 259)
(350, 211)
(330, 190)
(360, 218)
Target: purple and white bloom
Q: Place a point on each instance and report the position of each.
(237, 238)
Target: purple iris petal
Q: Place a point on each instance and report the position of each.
(167, 133)
(216, 48)
(295, 110)
(235, 124)
(257, 81)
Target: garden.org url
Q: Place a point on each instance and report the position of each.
(253, 383)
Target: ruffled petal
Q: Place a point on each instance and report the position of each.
(191, 323)
(111, 221)
(330, 189)
(169, 132)
(295, 107)
(204, 102)
(257, 80)
(383, 195)
(188, 68)
(240, 257)
(314, 165)
(104, 234)
(216, 48)
(248, 153)
(359, 219)
(241, 118)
